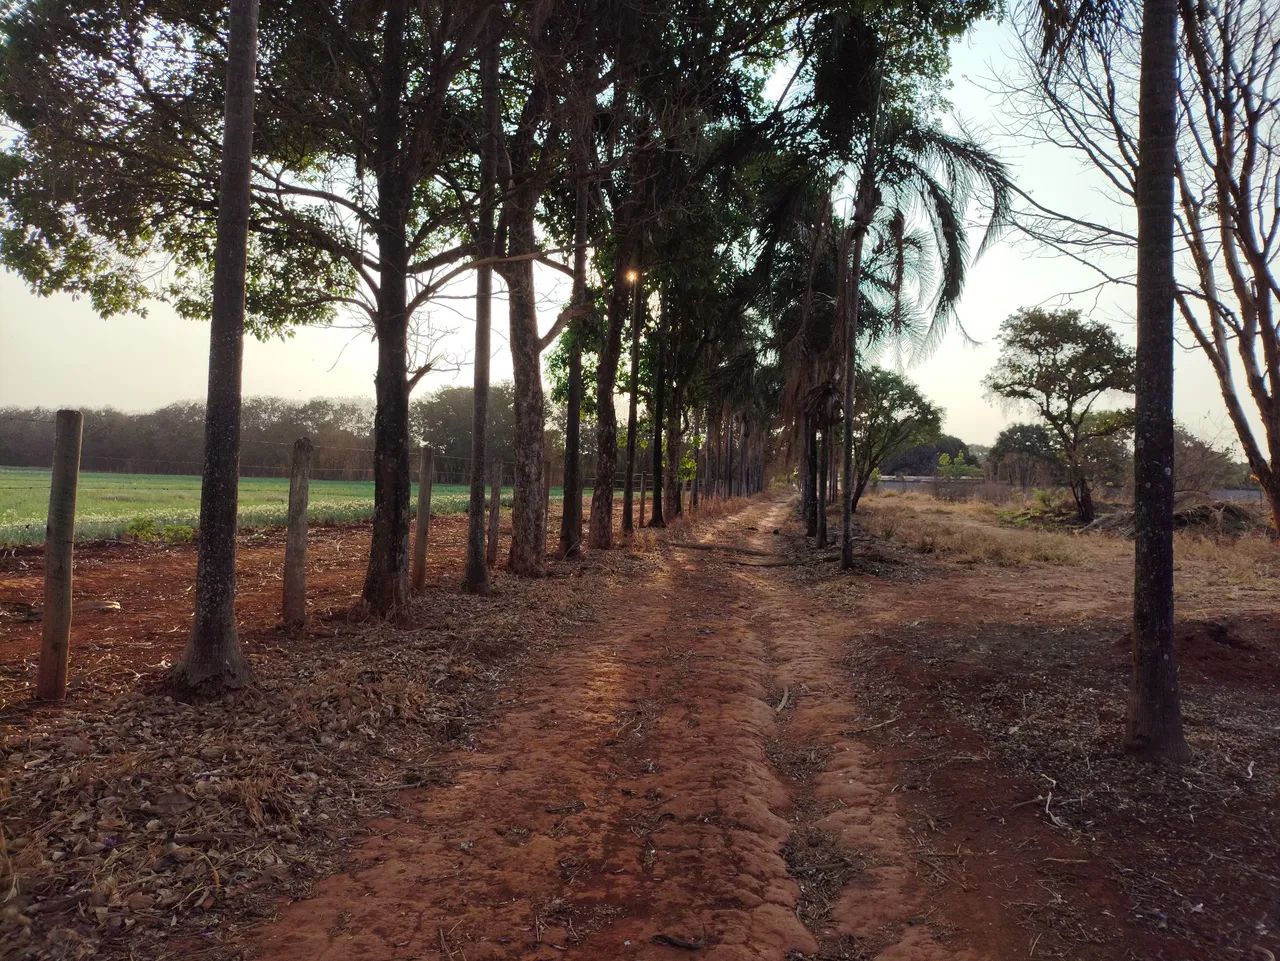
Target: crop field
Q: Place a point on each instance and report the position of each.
(167, 506)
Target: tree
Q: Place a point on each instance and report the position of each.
(1200, 466)
(1154, 717)
(213, 661)
(1024, 455)
(1226, 247)
(956, 467)
(1061, 366)
(890, 413)
(1146, 173)
(360, 188)
(922, 459)
(475, 578)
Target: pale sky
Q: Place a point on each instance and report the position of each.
(55, 352)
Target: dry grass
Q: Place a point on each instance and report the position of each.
(971, 532)
(1211, 567)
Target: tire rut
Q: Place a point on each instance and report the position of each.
(642, 797)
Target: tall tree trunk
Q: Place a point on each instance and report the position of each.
(600, 532)
(853, 301)
(809, 499)
(860, 486)
(675, 451)
(476, 576)
(728, 473)
(1154, 724)
(528, 519)
(213, 660)
(658, 519)
(820, 498)
(571, 514)
(633, 391)
(1082, 494)
(386, 582)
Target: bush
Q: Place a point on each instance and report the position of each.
(178, 534)
(142, 529)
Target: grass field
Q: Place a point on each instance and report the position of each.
(167, 506)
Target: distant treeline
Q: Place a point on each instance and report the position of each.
(171, 440)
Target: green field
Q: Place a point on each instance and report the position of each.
(167, 506)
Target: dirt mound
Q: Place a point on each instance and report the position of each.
(1237, 651)
(1217, 517)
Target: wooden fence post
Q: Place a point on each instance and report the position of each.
(495, 505)
(294, 609)
(59, 541)
(422, 534)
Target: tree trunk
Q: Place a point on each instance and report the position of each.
(820, 500)
(571, 512)
(386, 583)
(213, 660)
(658, 518)
(1272, 493)
(527, 555)
(810, 479)
(854, 300)
(633, 391)
(860, 486)
(476, 577)
(675, 452)
(1084, 500)
(600, 533)
(1154, 723)
(728, 474)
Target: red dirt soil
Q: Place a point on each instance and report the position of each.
(741, 759)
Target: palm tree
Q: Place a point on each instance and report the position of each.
(1154, 721)
(213, 660)
(909, 170)
(1153, 728)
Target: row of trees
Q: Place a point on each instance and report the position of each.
(750, 254)
(170, 440)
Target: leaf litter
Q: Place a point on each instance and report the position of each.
(136, 825)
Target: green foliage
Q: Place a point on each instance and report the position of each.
(1062, 366)
(1032, 440)
(956, 467)
(1025, 455)
(1047, 508)
(921, 460)
(890, 413)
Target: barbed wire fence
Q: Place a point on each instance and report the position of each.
(84, 496)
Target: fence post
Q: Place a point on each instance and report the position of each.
(422, 534)
(294, 608)
(642, 493)
(495, 505)
(59, 541)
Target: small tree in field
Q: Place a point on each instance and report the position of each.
(889, 414)
(1062, 366)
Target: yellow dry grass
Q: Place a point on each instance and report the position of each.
(1208, 565)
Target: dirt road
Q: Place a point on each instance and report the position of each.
(678, 781)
